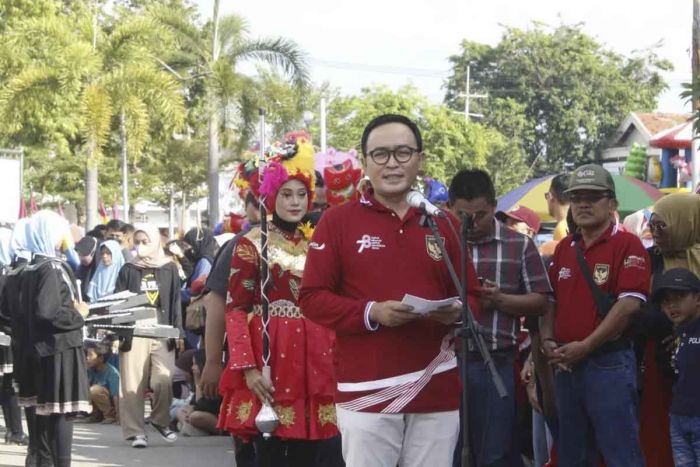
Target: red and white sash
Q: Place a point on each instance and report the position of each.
(400, 389)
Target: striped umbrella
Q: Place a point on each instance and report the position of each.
(633, 195)
(678, 137)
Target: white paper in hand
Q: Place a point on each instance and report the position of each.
(422, 306)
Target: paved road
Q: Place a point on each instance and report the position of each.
(98, 445)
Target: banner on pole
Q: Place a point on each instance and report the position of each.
(10, 188)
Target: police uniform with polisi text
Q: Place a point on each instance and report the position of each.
(684, 412)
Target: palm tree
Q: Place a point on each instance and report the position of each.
(98, 74)
(231, 96)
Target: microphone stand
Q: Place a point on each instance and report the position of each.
(469, 329)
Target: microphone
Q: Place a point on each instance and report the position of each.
(416, 199)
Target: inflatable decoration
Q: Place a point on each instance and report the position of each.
(341, 183)
(436, 191)
(334, 157)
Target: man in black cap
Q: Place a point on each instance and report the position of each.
(600, 276)
(678, 291)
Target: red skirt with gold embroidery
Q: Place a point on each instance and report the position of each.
(303, 377)
(310, 419)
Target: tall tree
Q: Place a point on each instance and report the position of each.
(98, 73)
(450, 142)
(210, 61)
(569, 90)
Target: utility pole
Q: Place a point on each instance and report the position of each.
(468, 96)
(695, 83)
(125, 166)
(213, 153)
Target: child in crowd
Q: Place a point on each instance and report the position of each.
(678, 290)
(198, 418)
(111, 341)
(104, 385)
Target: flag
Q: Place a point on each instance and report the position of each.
(115, 210)
(32, 204)
(103, 212)
(60, 210)
(22, 208)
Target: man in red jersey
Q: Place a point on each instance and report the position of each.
(596, 374)
(398, 387)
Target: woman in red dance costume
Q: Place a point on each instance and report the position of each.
(303, 385)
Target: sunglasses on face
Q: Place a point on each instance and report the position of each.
(657, 226)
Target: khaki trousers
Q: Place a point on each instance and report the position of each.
(101, 402)
(148, 364)
(406, 440)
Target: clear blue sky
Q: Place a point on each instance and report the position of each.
(355, 43)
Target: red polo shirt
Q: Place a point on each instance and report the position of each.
(363, 252)
(620, 266)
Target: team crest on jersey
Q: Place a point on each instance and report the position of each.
(432, 247)
(601, 273)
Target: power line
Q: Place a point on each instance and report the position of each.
(388, 69)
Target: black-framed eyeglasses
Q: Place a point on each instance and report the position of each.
(402, 154)
(577, 198)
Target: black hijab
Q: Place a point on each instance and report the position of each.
(203, 244)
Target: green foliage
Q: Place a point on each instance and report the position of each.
(65, 85)
(12, 11)
(450, 142)
(637, 162)
(558, 91)
(691, 92)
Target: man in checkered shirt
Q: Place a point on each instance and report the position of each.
(514, 285)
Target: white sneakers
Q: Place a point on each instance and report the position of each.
(140, 441)
(168, 435)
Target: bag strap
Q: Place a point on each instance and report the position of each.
(599, 298)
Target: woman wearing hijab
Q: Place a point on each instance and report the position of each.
(87, 250)
(109, 262)
(201, 254)
(8, 397)
(675, 229)
(52, 321)
(21, 351)
(149, 363)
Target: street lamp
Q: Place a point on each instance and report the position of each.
(308, 118)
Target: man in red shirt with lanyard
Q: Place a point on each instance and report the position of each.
(596, 374)
(398, 387)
